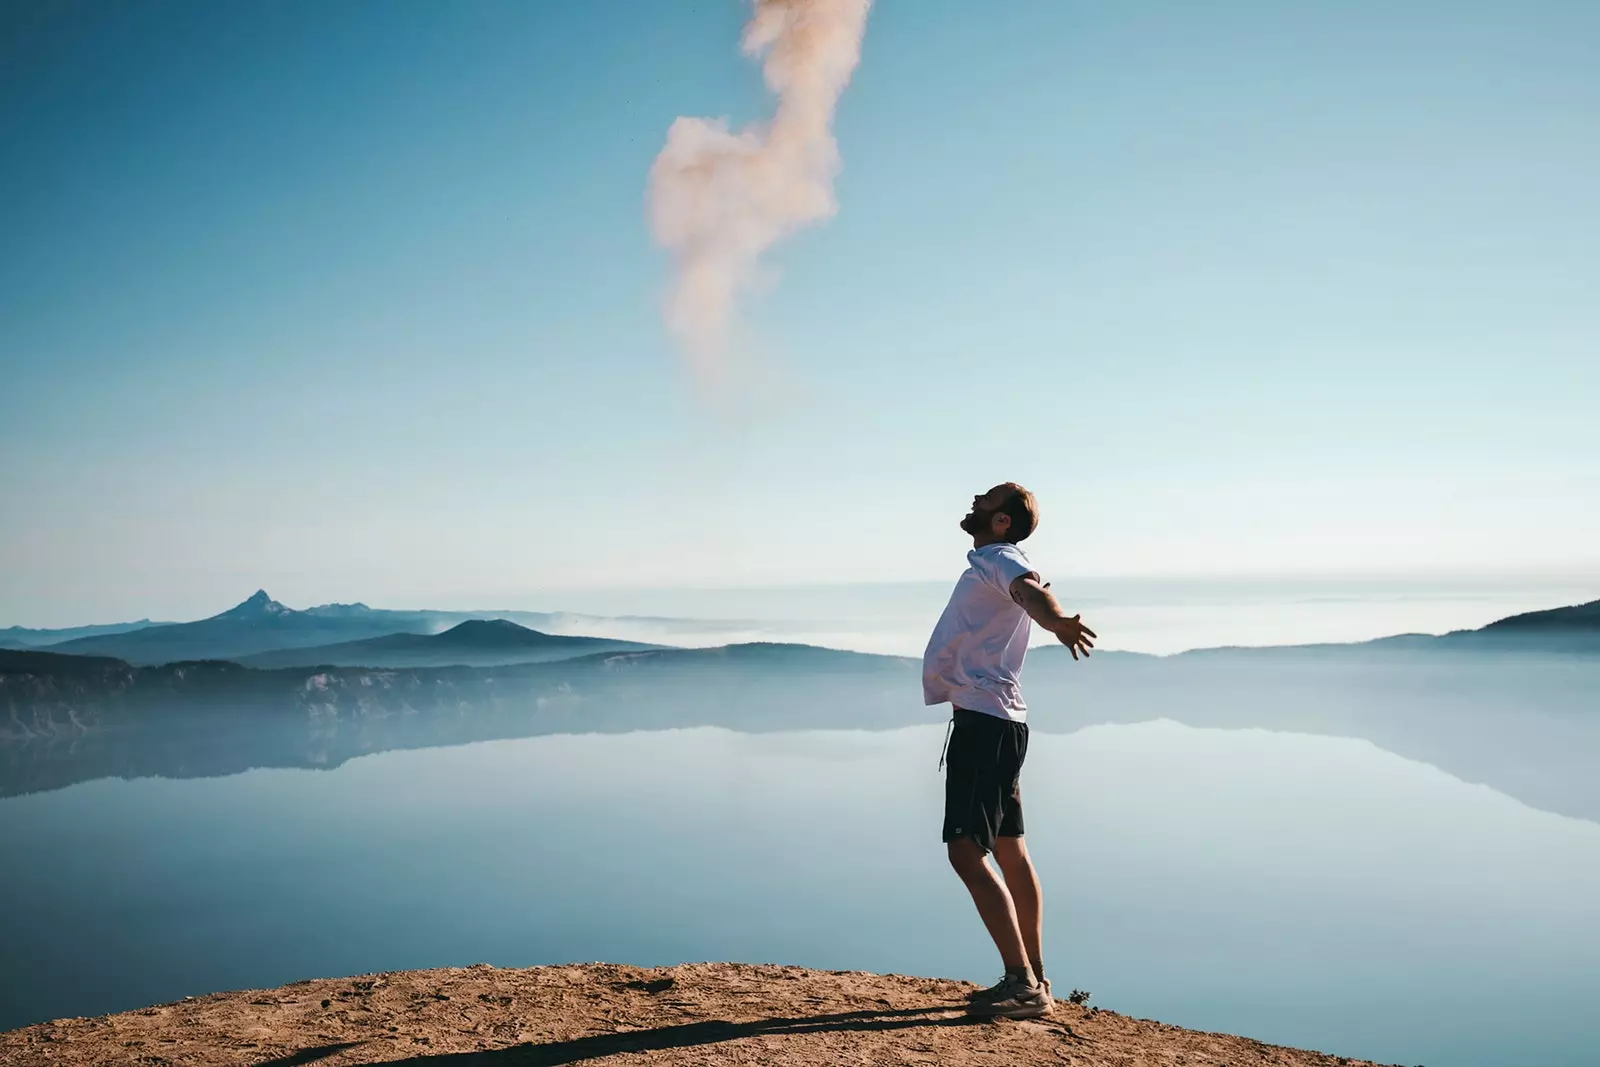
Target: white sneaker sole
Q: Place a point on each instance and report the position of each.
(1027, 1009)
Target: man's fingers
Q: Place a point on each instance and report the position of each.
(1090, 632)
(1073, 650)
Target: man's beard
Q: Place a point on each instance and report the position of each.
(977, 522)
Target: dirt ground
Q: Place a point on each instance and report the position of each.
(702, 1014)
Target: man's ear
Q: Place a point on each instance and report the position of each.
(1000, 523)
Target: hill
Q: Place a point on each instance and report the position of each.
(261, 624)
(1574, 629)
(1584, 617)
(24, 637)
(258, 624)
(476, 643)
(707, 1015)
(1571, 630)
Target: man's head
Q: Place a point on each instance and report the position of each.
(1005, 513)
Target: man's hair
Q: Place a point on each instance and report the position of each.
(1024, 512)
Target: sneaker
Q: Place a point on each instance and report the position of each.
(1012, 998)
(994, 992)
(1000, 988)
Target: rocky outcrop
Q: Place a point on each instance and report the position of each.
(706, 1015)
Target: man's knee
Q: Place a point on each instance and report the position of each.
(967, 857)
(1010, 848)
(1012, 856)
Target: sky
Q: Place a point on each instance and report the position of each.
(359, 301)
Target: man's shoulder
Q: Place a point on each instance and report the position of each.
(1001, 554)
(998, 549)
(998, 566)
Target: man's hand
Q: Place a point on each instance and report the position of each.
(1075, 635)
(1041, 606)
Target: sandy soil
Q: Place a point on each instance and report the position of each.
(711, 1014)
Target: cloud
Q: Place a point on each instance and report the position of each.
(719, 198)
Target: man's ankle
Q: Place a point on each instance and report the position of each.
(1023, 974)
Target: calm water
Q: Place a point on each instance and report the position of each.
(1307, 890)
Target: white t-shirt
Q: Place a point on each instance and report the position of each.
(974, 658)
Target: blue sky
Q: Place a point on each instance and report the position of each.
(358, 301)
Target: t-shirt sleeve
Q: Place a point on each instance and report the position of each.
(1004, 567)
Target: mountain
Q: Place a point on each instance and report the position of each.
(262, 624)
(23, 637)
(1564, 631)
(1568, 630)
(259, 624)
(1578, 617)
(476, 643)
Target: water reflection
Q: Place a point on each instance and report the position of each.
(1527, 725)
(1310, 890)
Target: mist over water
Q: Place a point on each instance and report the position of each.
(1136, 615)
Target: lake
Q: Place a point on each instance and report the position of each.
(1309, 890)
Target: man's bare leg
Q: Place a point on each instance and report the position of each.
(993, 901)
(1022, 883)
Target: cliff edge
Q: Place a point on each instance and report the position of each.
(702, 1014)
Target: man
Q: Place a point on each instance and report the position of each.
(973, 662)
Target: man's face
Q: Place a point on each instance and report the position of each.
(980, 520)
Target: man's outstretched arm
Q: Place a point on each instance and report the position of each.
(1043, 608)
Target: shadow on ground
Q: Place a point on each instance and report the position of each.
(689, 1035)
(309, 1055)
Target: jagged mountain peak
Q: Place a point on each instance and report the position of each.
(258, 605)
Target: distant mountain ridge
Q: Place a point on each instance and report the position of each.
(1572, 630)
(27, 637)
(473, 643)
(259, 626)
(1575, 617)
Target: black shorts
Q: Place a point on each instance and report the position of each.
(982, 787)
